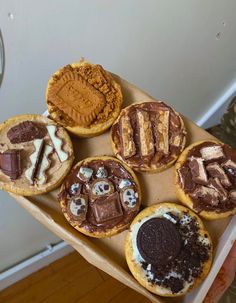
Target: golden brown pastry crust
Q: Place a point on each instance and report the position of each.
(148, 146)
(184, 197)
(103, 105)
(135, 267)
(109, 232)
(62, 168)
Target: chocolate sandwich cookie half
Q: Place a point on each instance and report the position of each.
(100, 197)
(168, 249)
(205, 179)
(148, 136)
(84, 98)
(35, 155)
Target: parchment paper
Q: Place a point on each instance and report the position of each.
(108, 254)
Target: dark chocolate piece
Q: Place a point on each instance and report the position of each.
(185, 178)
(10, 163)
(158, 241)
(198, 170)
(216, 171)
(106, 209)
(26, 131)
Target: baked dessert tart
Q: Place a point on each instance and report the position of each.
(148, 136)
(168, 249)
(205, 179)
(35, 155)
(100, 197)
(84, 98)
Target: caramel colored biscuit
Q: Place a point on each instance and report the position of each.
(168, 250)
(84, 98)
(113, 193)
(148, 136)
(29, 163)
(205, 175)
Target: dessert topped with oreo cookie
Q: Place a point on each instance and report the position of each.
(100, 196)
(207, 176)
(32, 149)
(168, 249)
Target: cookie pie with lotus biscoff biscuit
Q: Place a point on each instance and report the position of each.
(84, 98)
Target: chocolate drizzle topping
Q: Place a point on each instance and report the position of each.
(10, 163)
(158, 241)
(26, 131)
(210, 180)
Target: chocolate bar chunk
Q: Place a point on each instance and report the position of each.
(10, 163)
(26, 131)
(128, 146)
(185, 178)
(208, 195)
(198, 170)
(216, 184)
(216, 171)
(212, 152)
(145, 133)
(106, 209)
(162, 137)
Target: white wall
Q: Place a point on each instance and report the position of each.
(168, 48)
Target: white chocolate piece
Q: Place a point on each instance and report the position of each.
(124, 183)
(44, 165)
(85, 173)
(101, 173)
(102, 188)
(29, 173)
(212, 152)
(57, 143)
(129, 197)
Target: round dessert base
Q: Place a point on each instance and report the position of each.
(115, 230)
(148, 169)
(185, 198)
(137, 270)
(96, 129)
(33, 191)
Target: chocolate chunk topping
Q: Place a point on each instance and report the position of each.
(107, 209)
(158, 241)
(10, 163)
(216, 171)
(26, 131)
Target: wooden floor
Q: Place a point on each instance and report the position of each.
(70, 280)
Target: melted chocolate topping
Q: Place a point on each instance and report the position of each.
(158, 241)
(26, 131)
(189, 186)
(105, 211)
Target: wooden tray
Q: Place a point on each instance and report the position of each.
(108, 254)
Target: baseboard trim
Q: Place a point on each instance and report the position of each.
(29, 266)
(212, 115)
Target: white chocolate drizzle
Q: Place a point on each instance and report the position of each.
(57, 143)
